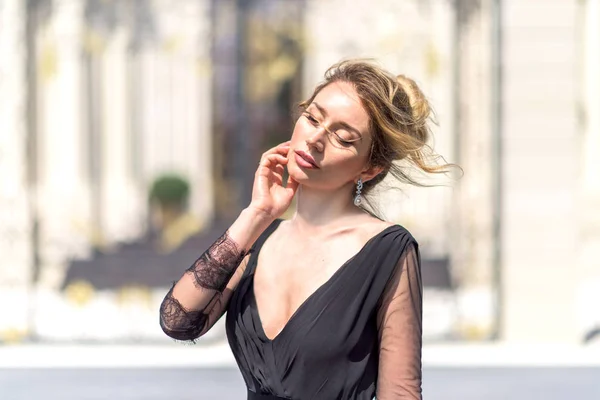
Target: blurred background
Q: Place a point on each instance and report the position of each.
(130, 131)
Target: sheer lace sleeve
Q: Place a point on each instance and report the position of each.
(200, 297)
(400, 331)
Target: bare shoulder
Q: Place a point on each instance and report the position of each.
(368, 227)
(357, 231)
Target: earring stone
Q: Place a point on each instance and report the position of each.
(358, 197)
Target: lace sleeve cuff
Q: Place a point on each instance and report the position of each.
(178, 322)
(215, 267)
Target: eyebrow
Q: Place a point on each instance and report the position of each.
(349, 127)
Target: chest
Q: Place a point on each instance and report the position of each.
(287, 272)
(288, 275)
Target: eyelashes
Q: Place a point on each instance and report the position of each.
(315, 122)
(312, 119)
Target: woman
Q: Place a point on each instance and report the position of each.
(326, 305)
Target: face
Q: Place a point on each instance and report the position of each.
(331, 141)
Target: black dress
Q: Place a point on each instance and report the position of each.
(357, 334)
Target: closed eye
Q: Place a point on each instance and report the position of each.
(315, 122)
(311, 119)
(344, 142)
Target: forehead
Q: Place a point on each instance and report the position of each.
(342, 104)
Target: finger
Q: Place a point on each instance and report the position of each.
(275, 178)
(284, 151)
(273, 160)
(282, 148)
(278, 171)
(269, 163)
(292, 184)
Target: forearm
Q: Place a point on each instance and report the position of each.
(185, 310)
(211, 272)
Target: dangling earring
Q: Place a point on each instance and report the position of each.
(358, 198)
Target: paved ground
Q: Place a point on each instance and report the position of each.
(494, 371)
(226, 384)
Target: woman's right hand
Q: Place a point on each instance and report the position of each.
(269, 196)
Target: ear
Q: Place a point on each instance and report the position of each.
(370, 173)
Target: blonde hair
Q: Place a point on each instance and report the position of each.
(400, 118)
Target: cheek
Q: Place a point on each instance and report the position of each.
(352, 165)
(344, 162)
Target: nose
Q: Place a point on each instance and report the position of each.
(315, 140)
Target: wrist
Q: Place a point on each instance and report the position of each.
(258, 215)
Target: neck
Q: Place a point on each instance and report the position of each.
(323, 208)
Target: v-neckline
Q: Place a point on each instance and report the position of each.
(302, 305)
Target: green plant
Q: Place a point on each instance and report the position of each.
(170, 190)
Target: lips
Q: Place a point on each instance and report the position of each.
(307, 157)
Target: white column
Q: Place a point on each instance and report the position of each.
(15, 229)
(589, 217)
(471, 229)
(123, 207)
(193, 103)
(542, 159)
(177, 104)
(64, 197)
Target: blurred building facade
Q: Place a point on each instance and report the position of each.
(102, 97)
(98, 97)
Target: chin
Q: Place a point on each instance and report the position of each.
(297, 173)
